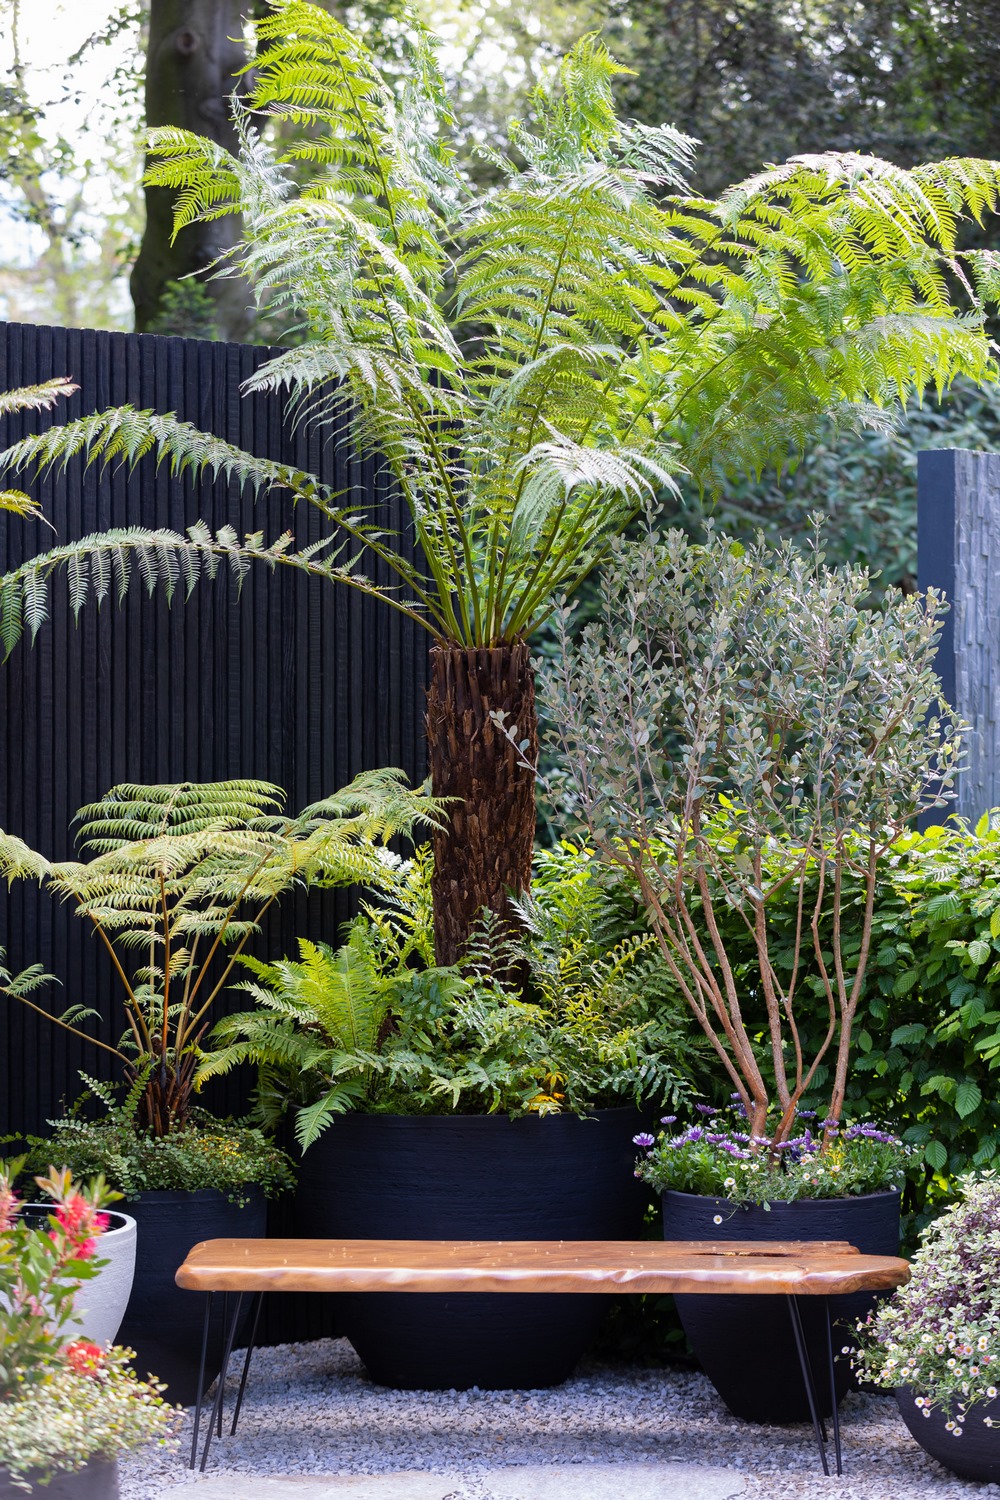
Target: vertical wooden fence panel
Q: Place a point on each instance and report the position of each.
(291, 680)
(958, 499)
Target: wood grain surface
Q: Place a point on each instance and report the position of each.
(813, 1268)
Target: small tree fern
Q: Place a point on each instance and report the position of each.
(178, 880)
(532, 363)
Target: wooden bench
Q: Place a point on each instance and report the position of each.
(785, 1268)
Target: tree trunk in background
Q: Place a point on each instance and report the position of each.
(485, 849)
(195, 51)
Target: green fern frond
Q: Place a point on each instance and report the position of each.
(626, 331)
(36, 397)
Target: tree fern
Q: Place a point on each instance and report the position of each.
(176, 883)
(625, 332)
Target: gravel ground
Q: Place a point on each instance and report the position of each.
(310, 1409)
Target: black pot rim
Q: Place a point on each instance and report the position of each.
(481, 1121)
(191, 1195)
(779, 1202)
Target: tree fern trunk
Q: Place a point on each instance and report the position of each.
(485, 849)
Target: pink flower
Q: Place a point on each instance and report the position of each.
(8, 1208)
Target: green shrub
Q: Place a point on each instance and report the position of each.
(927, 1054)
(574, 1015)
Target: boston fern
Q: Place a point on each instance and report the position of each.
(532, 363)
(375, 1025)
(178, 880)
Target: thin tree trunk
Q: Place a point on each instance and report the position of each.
(485, 849)
(194, 54)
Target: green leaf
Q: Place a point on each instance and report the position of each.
(979, 951)
(968, 1098)
(942, 908)
(936, 1155)
(913, 1031)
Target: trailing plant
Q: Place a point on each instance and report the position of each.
(180, 877)
(531, 362)
(227, 1155)
(937, 1334)
(720, 1160)
(63, 1401)
(375, 1025)
(739, 732)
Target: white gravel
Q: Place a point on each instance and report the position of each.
(311, 1410)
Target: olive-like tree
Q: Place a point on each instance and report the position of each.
(740, 730)
(531, 362)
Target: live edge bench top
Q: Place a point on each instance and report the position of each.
(817, 1268)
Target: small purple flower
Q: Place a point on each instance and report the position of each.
(706, 1109)
(806, 1114)
(667, 1119)
(643, 1139)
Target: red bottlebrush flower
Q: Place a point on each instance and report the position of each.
(84, 1358)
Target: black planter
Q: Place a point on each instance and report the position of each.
(973, 1455)
(97, 1480)
(163, 1323)
(745, 1344)
(472, 1177)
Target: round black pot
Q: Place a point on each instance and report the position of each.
(745, 1344)
(472, 1177)
(97, 1480)
(163, 1323)
(973, 1455)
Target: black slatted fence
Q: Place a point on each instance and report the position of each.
(292, 680)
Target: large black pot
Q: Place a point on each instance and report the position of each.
(974, 1454)
(163, 1323)
(472, 1177)
(745, 1344)
(97, 1480)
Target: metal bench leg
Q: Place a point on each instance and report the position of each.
(833, 1385)
(201, 1380)
(225, 1325)
(800, 1344)
(220, 1389)
(258, 1300)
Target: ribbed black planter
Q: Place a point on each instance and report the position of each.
(745, 1344)
(163, 1323)
(472, 1177)
(973, 1455)
(97, 1480)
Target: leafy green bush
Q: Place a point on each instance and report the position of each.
(206, 1153)
(376, 1025)
(927, 1056)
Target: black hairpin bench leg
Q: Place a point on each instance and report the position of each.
(833, 1385)
(220, 1389)
(807, 1377)
(258, 1300)
(201, 1380)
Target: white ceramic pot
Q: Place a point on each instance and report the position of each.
(101, 1302)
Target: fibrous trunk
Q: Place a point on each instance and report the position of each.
(165, 1102)
(482, 738)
